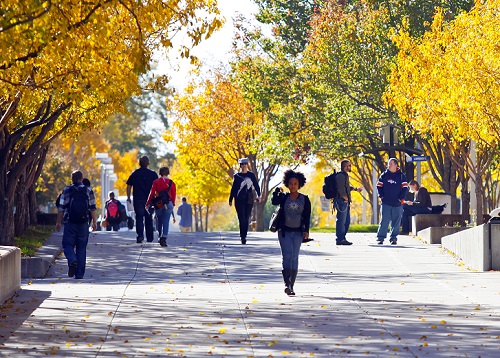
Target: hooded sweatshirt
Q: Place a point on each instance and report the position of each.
(392, 187)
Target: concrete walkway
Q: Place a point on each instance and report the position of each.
(206, 295)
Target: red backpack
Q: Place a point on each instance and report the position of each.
(113, 210)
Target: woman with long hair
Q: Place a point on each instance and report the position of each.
(293, 225)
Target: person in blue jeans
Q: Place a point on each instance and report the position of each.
(165, 189)
(76, 227)
(293, 224)
(342, 202)
(141, 180)
(392, 187)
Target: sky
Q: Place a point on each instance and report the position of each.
(210, 51)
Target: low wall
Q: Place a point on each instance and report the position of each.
(433, 235)
(10, 272)
(473, 247)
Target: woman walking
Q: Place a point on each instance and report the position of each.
(293, 226)
(163, 188)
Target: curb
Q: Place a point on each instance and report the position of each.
(38, 266)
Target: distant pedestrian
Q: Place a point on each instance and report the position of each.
(421, 204)
(342, 202)
(112, 212)
(392, 188)
(185, 211)
(242, 190)
(73, 206)
(141, 180)
(293, 225)
(165, 189)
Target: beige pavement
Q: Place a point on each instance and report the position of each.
(206, 295)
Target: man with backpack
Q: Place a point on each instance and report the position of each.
(112, 212)
(73, 207)
(339, 189)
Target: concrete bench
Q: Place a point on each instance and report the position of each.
(423, 221)
(10, 272)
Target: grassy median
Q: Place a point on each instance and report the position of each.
(32, 239)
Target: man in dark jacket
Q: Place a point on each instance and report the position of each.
(141, 180)
(342, 202)
(421, 204)
(392, 187)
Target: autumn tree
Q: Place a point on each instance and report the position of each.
(216, 126)
(66, 66)
(445, 85)
(322, 91)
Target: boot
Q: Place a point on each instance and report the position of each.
(286, 279)
(293, 276)
(163, 241)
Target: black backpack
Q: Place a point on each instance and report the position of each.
(330, 186)
(78, 207)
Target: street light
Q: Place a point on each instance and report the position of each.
(105, 166)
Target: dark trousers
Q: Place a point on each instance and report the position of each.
(74, 243)
(244, 211)
(115, 225)
(343, 219)
(144, 219)
(408, 212)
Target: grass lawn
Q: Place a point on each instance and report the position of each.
(32, 239)
(352, 228)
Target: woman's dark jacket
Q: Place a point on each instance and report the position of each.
(279, 198)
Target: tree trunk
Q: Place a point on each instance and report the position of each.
(6, 220)
(32, 204)
(195, 210)
(21, 152)
(465, 199)
(22, 209)
(477, 217)
(206, 219)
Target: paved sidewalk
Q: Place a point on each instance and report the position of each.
(208, 295)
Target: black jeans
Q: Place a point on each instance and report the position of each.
(244, 211)
(144, 219)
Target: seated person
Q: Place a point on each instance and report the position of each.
(421, 204)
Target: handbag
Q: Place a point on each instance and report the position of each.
(159, 202)
(275, 218)
(162, 198)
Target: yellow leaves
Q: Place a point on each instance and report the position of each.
(445, 83)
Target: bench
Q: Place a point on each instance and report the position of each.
(423, 221)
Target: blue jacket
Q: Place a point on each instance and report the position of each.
(392, 187)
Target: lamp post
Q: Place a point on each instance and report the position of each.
(105, 166)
